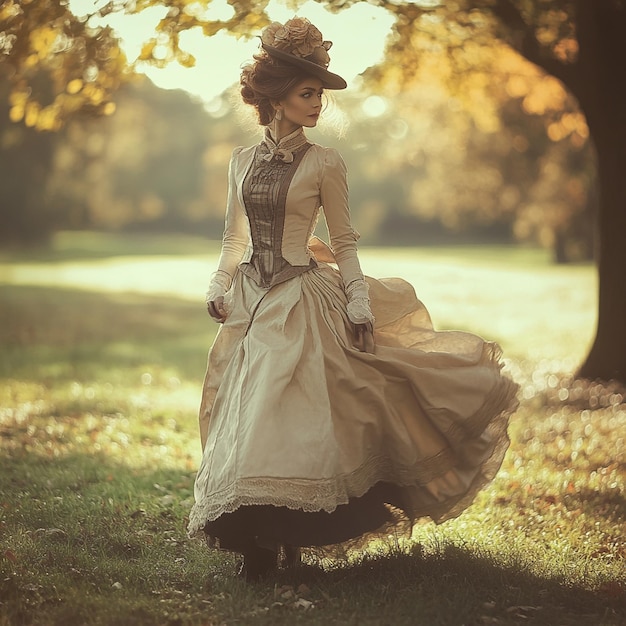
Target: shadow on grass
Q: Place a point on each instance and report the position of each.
(459, 586)
(80, 332)
(90, 538)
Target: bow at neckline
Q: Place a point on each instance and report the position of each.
(279, 154)
(286, 147)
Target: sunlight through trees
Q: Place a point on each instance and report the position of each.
(560, 62)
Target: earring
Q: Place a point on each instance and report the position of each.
(278, 115)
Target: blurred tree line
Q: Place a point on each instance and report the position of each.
(480, 146)
(53, 67)
(422, 170)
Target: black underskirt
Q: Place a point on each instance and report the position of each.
(272, 526)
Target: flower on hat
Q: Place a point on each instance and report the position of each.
(320, 54)
(298, 37)
(268, 35)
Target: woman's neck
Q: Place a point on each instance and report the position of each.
(282, 128)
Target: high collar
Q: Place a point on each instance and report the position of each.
(284, 149)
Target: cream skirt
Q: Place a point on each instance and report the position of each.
(308, 441)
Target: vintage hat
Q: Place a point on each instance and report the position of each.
(299, 43)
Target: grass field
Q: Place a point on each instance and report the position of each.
(103, 345)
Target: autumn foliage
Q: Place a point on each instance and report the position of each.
(56, 63)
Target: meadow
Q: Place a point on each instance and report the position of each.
(103, 343)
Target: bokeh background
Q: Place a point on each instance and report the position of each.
(486, 148)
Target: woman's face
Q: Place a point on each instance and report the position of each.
(303, 104)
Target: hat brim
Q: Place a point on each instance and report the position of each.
(329, 80)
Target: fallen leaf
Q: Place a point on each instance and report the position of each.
(301, 603)
(303, 590)
(10, 555)
(51, 533)
(521, 610)
(278, 591)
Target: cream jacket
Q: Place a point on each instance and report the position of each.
(319, 183)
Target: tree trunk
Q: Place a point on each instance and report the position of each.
(25, 164)
(607, 358)
(598, 80)
(602, 95)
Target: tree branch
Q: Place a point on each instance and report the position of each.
(521, 36)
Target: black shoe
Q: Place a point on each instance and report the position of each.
(292, 556)
(257, 564)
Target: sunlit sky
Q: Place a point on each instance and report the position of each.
(358, 36)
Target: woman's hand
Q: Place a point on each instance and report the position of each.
(364, 337)
(216, 309)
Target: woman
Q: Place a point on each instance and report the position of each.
(315, 428)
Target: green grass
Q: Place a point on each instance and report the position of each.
(101, 361)
(69, 245)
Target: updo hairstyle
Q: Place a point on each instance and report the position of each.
(265, 81)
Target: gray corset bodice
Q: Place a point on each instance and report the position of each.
(265, 193)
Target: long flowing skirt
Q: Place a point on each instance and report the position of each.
(309, 442)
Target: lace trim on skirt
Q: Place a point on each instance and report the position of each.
(326, 495)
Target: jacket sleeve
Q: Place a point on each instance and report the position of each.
(235, 238)
(343, 238)
(334, 198)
